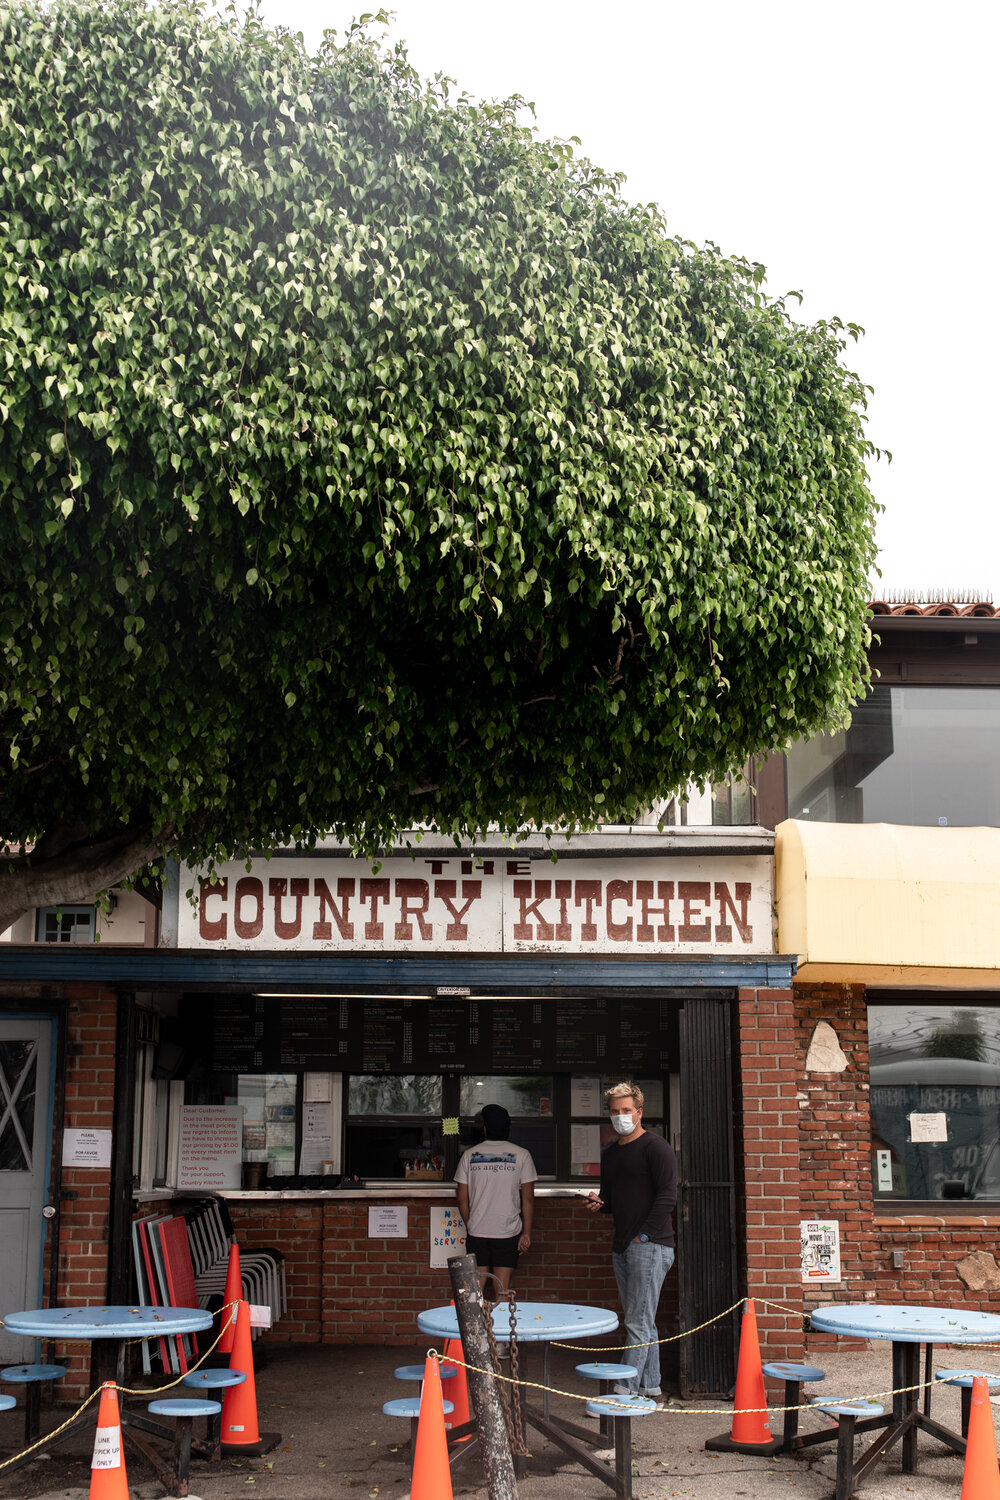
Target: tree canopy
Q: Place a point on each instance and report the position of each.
(366, 461)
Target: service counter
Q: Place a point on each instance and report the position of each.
(362, 1261)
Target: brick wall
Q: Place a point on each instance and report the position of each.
(346, 1288)
(835, 1135)
(768, 1171)
(85, 1197)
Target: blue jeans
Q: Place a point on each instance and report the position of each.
(639, 1272)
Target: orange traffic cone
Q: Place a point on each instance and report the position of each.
(981, 1474)
(108, 1480)
(240, 1433)
(751, 1432)
(431, 1479)
(458, 1389)
(232, 1294)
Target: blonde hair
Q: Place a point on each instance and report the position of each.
(624, 1091)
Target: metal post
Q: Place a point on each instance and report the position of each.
(494, 1444)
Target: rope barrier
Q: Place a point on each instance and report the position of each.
(673, 1338)
(124, 1390)
(706, 1411)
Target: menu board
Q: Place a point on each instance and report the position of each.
(358, 1034)
(387, 1036)
(642, 1036)
(238, 1041)
(306, 1026)
(581, 1033)
(518, 1042)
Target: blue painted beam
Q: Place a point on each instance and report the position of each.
(193, 969)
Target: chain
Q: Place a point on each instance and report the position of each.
(515, 1374)
(491, 1341)
(510, 1404)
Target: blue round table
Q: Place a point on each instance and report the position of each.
(546, 1323)
(118, 1326)
(906, 1327)
(537, 1322)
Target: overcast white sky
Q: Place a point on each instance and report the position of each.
(852, 148)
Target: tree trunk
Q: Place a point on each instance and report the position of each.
(71, 877)
(494, 1444)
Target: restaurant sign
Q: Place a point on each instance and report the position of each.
(688, 905)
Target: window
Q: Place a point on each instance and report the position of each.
(912, 755)
(65, 924)
(935, 1101)
(158, 1098)
(734, 801)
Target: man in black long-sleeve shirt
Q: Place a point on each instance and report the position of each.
(639, 1190)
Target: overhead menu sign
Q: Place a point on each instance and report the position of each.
(692, 905)
(412, 1034)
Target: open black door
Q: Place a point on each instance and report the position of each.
(706, 1215)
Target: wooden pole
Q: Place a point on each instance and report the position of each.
(493, 1441)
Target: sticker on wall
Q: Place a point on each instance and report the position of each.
(883, 1171)
(820, 1250)
(447, 1236)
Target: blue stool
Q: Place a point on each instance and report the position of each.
(183, 1410)
(213, 1380)
(6, 1402)
(621, 1410)
(33, 1377)
(409, 1406)
(793, 1375)
(609, 1375)
(848, 1414)
(964, 1379)
(416, 1372)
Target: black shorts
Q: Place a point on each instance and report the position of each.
(492, 1253)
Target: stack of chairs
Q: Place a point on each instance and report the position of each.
(262, 1269)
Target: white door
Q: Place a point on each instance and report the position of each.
(25, 1150)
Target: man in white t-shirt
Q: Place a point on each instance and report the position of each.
(496, 1198)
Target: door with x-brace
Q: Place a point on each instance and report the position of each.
(25, 1152)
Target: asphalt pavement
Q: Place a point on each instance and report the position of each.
(336, 1444)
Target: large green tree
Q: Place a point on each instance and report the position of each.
(366, 461)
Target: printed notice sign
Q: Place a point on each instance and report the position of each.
(387, 1222)
(210, 1154)
(928, 1127)
(107, 1448)
(447, 1235)
(820, 1250)
(86, 1148)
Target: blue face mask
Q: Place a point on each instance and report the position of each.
(624, 1124)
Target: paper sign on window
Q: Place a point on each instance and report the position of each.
(928, 1127)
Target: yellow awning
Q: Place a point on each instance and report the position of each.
(878, 903)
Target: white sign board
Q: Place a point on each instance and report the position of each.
(86, 1148)
(696, 905)
(387, 1221)
(447, 1235)
(820, 1250)
(928, 1127)
(210, 1152)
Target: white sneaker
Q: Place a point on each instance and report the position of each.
(623, 1390)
